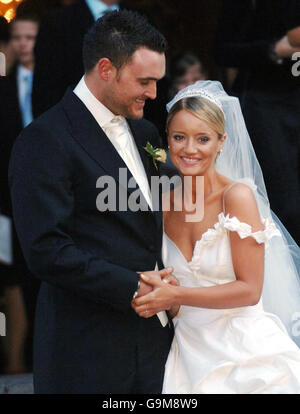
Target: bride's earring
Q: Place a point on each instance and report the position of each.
(219, 152)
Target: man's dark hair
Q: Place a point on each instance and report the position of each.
(27, 17)
(117, 35)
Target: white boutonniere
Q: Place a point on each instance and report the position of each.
(157, 154)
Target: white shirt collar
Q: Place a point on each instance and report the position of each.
(100, 112)
(98, 8)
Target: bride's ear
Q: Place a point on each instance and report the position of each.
(221, 142)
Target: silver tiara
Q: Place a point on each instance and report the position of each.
(192, 91)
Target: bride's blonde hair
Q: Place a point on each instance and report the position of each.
(203, 109)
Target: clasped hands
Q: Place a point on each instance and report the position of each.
(157, 293)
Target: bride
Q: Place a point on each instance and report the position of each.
(236, 306)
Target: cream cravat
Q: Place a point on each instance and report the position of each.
(118, 133)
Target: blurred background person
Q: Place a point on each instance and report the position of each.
(20, 288)
(252, 38)
(185, 69)
(58, 51)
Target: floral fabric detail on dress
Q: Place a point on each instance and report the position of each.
(215, 241)
(243, 229)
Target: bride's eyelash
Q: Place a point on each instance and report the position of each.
(204, 139)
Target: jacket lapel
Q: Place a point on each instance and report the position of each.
(141, 140)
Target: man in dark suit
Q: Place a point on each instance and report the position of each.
(88, 339)
(58, 50)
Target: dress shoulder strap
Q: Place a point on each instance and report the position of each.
(226, 189)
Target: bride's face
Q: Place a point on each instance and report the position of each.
(193, 144)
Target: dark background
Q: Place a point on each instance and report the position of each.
(188, 24)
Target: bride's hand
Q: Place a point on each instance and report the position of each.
(163, 297)
(166, 277)
(163, 274)
(171, 279)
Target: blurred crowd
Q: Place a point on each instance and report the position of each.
(247, 45)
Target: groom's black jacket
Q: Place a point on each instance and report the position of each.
(87, 335)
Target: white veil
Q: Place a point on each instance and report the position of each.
(281, 289)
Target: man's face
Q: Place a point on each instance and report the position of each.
(23, 39)
(134, 83)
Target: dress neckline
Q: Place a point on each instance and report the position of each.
(197, 241)
(210, 229)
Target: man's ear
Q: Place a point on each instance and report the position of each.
(106, 69)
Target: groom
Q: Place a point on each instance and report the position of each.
(88, 339)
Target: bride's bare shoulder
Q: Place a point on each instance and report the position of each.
(237, 192)
(231, 188)
(240, 202)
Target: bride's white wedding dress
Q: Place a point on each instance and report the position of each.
(228, 351)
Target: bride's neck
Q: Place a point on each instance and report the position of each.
(194, 186)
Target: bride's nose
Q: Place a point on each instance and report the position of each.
(190, 146)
